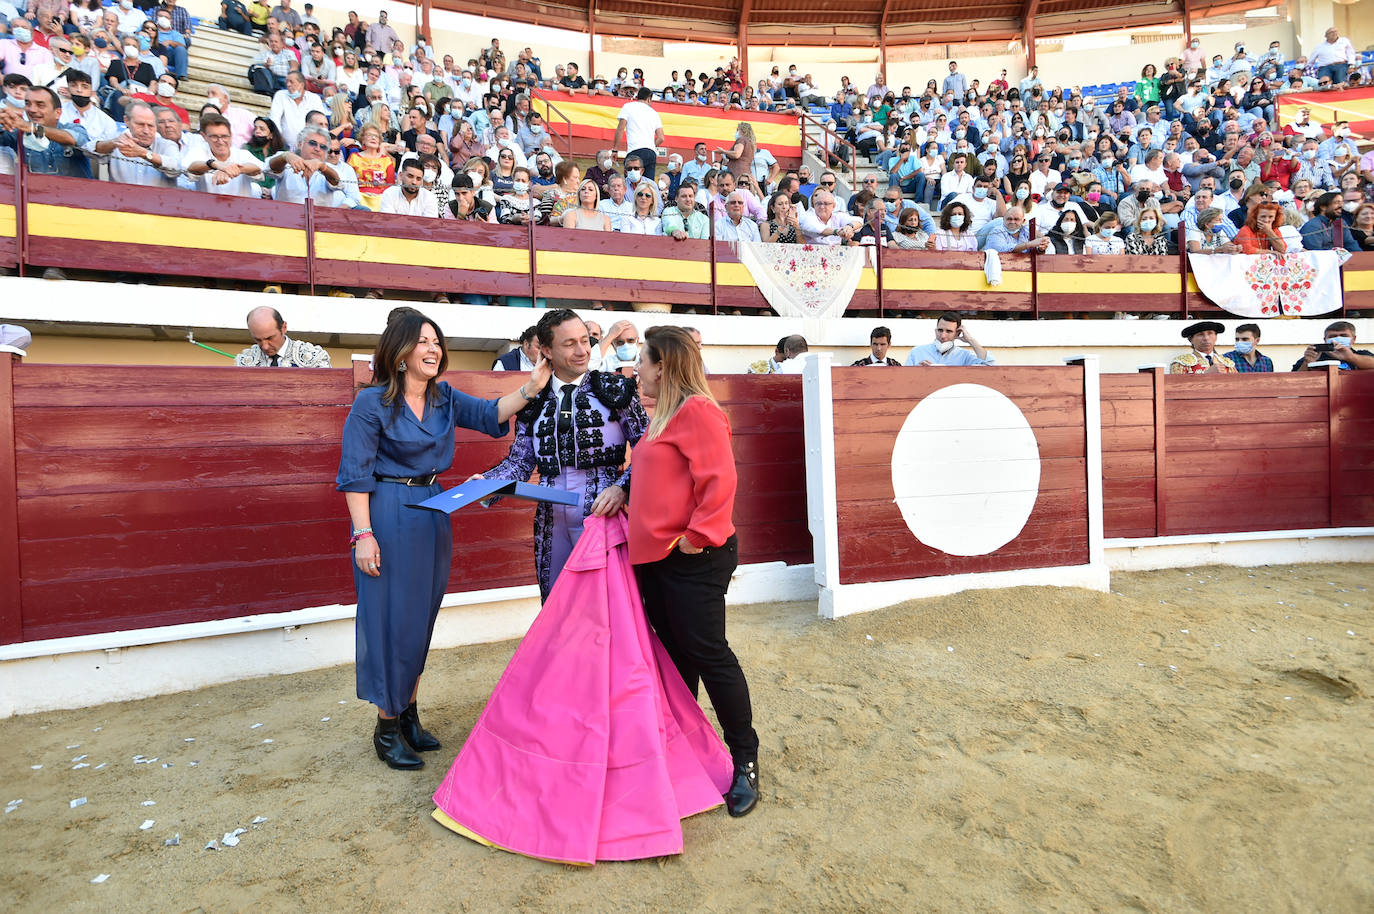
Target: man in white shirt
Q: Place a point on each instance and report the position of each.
(958, 180)
(795, 349)
(80, 108)
(618, 204)
(228, 171)
(1333, 58)
(307, 172)
(734, 225)
(822, 224)
(639, 130)
(982, 203)
(1152, 169)
(1047, 213)
(139, 155)
(291, 105)
(1043, 177)
(131, 18)
(409, 198)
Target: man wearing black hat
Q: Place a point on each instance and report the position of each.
(1203, 357)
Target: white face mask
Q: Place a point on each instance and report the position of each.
(166, 90)
(944, 346)
(477, 179)
(430, 175)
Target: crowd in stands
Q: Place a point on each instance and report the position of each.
(360, 119)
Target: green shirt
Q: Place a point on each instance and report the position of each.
(697, 225)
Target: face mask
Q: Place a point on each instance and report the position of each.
(633, 175)
(1109, 231)
(604, 163)
(126, 4)
(467, 82)
(80, 101)
(960, 134)
(1094, 196)
(23, 36)
(164, 24)
(101, 43)
(14, 102)
(1236, 183)
(1068, 226)
(520, 187)
(144, 42)
(956, 220)
(1216, 228)
(1022, 192)
(1147, 225)
(1074, 163)
(1244, 347)
(944, 346)
(477, 179)
(1309, 154)
(131, 51)
(891, 205)
(165, 90)
(1039, 134)
(1194, 45)
(295, 96)
(430, 175)
(1341, 341)
(1351, 205)
(980, 193)
(627, 352)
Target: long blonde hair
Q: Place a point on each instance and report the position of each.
(682, 374)
(746, 132)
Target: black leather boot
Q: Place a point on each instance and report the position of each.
(420, 739)
(391, 746)
(744, 791)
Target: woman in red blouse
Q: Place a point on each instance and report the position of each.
(1261, 231)
(683, 545)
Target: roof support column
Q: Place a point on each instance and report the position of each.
(591, 41)
(882, 40)
(1028, 30)
(745, 10)
(425, 7)
(1187, 22)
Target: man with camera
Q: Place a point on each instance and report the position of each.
(1337, 346)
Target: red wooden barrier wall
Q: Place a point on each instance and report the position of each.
(1190, 454)
(870, 407)
(135, 497)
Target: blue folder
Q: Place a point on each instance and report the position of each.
(475, 490)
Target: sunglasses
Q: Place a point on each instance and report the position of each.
(645, 195)
(827, 184)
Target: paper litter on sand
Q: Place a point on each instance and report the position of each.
(99, 879)
(147, 824)
(79, 801)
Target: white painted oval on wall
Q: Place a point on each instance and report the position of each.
(966, 470)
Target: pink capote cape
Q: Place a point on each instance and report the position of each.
(591, 747)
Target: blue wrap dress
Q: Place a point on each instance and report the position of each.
(397, 610)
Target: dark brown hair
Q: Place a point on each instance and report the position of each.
(398, 341)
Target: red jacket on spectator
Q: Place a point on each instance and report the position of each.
(163, 103)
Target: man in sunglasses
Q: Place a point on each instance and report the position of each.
(826, 183)
(306, 172)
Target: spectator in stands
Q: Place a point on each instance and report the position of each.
(957, 180)
(1010, 236)
(982, 204)
(269, 69)
(1362, 228)
(740, 156)
(585, 215)
(265, 143)
(1338, 342)
(1068, 235)
(523, 357)
(726, 185)
(306, 172)
(348, 179)
(949, 331)
(794, 348)
(735, 225)
(643, 219)
(822, 224)
(51, 147)
(272, 348)
(1150, 235)
(228, 171)
(410, 198)
(954, 232)
(782, 222)
(1326, 230)
(128, 74)
(140, 155)
(292, 104)
(234, 17)
(1210, 236)
(1106, 236)
(1203, 357)
(1246, 355)
(639, 131)
(80, 108)
(467, 205)
(685, 220)
(1260, 233)
(1333, 58)
(382, 36)
(375, 168)
(240, 119)
(616, 204)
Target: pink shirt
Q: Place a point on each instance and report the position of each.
(33, 56)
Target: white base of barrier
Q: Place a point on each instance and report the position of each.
(1268, 547)
(122, 666)
(847, 599)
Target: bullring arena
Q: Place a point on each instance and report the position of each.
(1065, 632)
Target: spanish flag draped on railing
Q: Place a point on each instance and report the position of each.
(594, 117)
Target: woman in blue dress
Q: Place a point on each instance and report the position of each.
(397, 440)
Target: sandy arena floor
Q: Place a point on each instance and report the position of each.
(1196, 741)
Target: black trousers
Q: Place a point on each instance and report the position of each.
(684, 599)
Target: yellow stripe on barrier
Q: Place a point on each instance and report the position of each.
(1359, 280)
(9, 226)
(1108, 283)
(617, 266)
(719, 127)
(74, 224)
(897, 279)
(412, 252)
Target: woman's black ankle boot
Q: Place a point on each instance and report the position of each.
(391, 746)
(420, 739)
